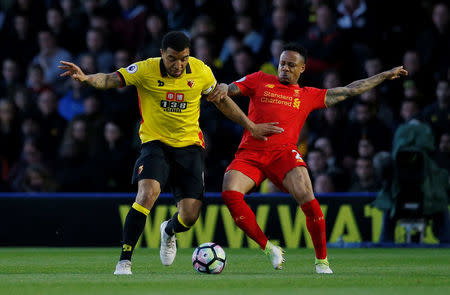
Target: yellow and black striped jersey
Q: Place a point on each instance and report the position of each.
(170, 107)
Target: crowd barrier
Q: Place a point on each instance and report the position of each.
(95, 219)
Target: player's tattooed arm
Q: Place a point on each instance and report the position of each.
(99, 80)
(358, 87)
(104, 81)
(230, 109)
(233, 90)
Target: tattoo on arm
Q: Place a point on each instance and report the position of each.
(233, 90)
(104, 81)
(358, 87)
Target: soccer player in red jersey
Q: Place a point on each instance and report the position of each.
(280, 100)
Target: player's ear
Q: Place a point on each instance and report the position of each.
(302, 68)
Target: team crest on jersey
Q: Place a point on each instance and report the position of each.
(269, 85)
(296, 92)
(132, 68)
(190, 83)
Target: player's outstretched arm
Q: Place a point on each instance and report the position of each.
(100, 80)
(260, 131)
(358, 87)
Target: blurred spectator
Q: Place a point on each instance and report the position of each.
(178, 15)
(271, 65)
(129, 25)
(63, 35)
(113, 158)
(324, 43)
(11, 141)
(51, 123)
(338, 177)
(249, 37)
(279, 26)
(438, 113)
(433, 43)
(155, 28)
(10, 78)
(409, 109)
(71, 104)
(96, 47)
(49, 57)
(37, 179)
(365, 149)
(365, 180)
(93, 115)
(243, 64)
(76, 171)
(22, 45)
(317, 163)
(31, 155)
(378, 105)
(88, 63)
(418, 80)
(366, 125)
(23, 102)
(74, 20)
(323, 184)
(36, 81)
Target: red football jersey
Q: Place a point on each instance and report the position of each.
(271, 101)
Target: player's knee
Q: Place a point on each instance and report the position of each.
(230, 197)
(148, 195)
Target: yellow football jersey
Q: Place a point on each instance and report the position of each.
(170, 107)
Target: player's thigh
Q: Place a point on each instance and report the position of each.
(152, 163)
(298, 183)
(235, 180)
(187, 176)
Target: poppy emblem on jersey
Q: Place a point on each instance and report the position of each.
(140, 169)
(190, 83)
(132, 68)
(269, 85)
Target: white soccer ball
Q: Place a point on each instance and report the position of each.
(209, 258)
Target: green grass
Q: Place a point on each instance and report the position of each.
(66, 271)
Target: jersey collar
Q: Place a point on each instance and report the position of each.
(163, 70)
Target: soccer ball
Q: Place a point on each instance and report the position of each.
(209, 258)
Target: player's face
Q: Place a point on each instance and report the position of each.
(291, 66)
(175, 61)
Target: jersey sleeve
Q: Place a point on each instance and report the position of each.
(248, 84)
(210, 81)
(316, 98)
(132, 74)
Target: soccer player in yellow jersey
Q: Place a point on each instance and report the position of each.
(169, 90)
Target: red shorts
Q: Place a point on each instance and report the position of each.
(259, 165)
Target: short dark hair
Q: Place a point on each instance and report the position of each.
(297, 48)
(176, 40)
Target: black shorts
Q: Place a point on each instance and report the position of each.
(179, 168)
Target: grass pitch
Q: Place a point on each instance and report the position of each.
(69, 271)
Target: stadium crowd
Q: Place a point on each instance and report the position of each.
(59, 135)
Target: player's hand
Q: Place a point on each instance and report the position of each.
(396, 72)
(219, 93)
(262, 130)
(73, 71)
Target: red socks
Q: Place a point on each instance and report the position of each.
(315, 222)
(244, 217)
